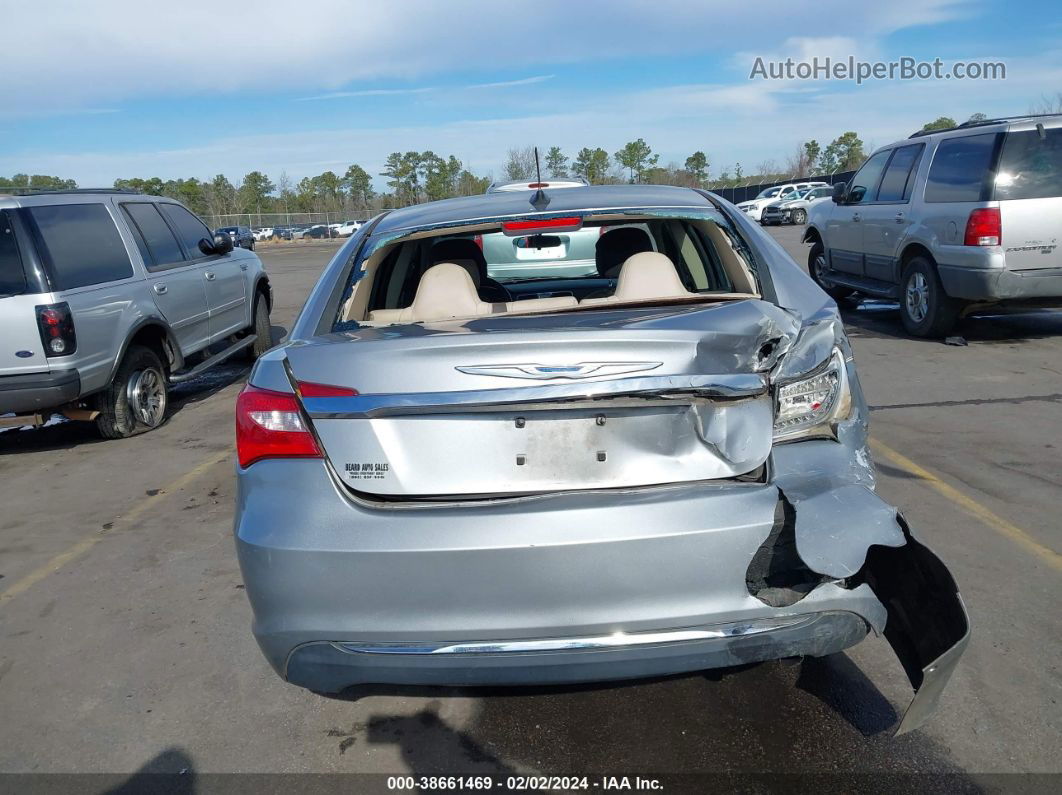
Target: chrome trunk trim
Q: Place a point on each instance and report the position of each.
(731, 386)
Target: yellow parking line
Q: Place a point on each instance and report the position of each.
(971, 506)
(81, 547)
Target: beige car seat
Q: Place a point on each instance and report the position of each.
(645, 276)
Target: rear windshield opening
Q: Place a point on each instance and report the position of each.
(686, 258)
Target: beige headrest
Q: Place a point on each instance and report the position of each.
(469, 265)
(648, 274)
(446, 290)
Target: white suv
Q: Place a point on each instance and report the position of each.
(754, 207)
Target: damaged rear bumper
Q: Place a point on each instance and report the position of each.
(523, 591)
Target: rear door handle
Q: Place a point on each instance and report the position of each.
(856, 217)
(160, 288)
(243, 266)
(210, 276)
(899, 218)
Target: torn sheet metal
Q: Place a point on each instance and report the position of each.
(814, 345)
(836, 527)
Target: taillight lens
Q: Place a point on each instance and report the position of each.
(984, 228)
(478, 240)
(269, 425)
(56, 326)
(807, 406)
(310, 390)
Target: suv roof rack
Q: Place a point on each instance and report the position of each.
(12, 191)
(983, 123)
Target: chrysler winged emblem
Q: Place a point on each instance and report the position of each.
(547, 371)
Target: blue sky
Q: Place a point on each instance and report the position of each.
(116, 89)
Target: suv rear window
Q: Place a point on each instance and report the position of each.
(80, 244)
(12, 275)
(1030, 167)
(960, 168)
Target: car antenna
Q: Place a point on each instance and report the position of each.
(540, 200)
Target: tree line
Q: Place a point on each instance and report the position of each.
(415, 177)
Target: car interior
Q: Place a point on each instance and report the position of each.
(435, 275)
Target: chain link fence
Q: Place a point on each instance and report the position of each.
(259, 220)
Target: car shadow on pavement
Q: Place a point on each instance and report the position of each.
(818, 716)
(62, 434)
(874, 318)
(171, 771)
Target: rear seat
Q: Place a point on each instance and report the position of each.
(447, 291)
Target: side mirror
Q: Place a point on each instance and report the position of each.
(222, 245)
(838, 192)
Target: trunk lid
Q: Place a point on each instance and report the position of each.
(517, 405)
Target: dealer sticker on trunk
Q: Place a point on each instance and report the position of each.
(369, 470)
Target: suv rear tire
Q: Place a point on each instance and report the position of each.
(816, 266)
(925, 309)
(136, 399)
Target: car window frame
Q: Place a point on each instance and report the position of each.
(180, 238)
(871, 190)
(706, 252)
(999, 163)
(988, 178)
(44, 254)
(138, 233)
(8, 218)
(908, 185)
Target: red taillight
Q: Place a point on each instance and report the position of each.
(270, 425)
(56, 327)
(311, 390)
(538, 185)
(479, 241)
(984, 228)
(548, 224)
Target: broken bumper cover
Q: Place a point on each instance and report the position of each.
(328, 667)
(589, 586)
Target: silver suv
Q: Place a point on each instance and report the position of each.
(947, 222)
(106, 297)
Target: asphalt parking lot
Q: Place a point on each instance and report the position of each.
(124, 630)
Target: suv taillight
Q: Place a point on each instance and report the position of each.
(270, 425)
(56, 326)
(984, 228)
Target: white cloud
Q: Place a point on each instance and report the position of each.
(69, 53)
(387, 92)
(750, 122)
(526, 81)
(369, 92)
